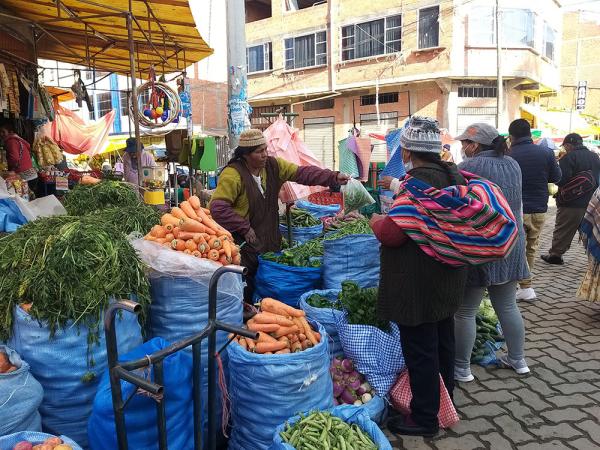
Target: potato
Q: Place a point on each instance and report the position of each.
(4, 363)
(23, 445)
(43, 447)
(63, 447)
(53, 441)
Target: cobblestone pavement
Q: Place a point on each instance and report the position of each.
(557, 406)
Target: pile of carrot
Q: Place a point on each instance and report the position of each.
(280, 328)
(189, 228)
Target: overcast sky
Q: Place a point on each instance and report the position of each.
(593, 5)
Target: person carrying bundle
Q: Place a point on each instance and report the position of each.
(245, 200)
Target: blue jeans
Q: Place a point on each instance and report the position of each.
(503, 297)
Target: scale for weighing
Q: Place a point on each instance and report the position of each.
(153, 182)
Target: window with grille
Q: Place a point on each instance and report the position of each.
(259, 58)
(388, 97)
(376, 37)
(429, 27)
(306, 51)
(104, 102)
(477, 91)
(319, 104)
(517, 27)
(124, 100)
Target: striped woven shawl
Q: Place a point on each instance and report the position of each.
(457, 225)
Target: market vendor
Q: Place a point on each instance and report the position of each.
(18, 155)
(246, 198)
(130, 161)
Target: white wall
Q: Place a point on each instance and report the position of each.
(210, 17)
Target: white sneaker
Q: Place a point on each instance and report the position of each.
(518, 366)
(526, 295)
(463, 375)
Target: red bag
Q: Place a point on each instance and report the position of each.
(400, 396)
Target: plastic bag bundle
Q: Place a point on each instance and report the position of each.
(140, 412)
(349, 414)
(375, 353)
(326, 317)
(60, 364)
(285, 283)
(356, 196)
(20, 397)
(301, 234)
(35, 437)
(318, 210)
(354, 257)
(268, 389)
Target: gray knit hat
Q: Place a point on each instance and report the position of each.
(421, 135)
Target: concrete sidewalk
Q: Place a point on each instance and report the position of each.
(557, 406)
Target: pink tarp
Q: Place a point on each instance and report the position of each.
(75, 136)
(283, 142)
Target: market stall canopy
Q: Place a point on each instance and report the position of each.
(561, 121)
(60, 94)
(94, 34)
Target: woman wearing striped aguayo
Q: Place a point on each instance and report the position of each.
(484, 150)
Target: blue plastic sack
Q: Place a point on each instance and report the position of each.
(349, 414)
(354, 257)
(268, 389)
(375, 353)
(318, 211)
(377, 409)
(285, 283)
(140, 412)
(60, 364)
(302, 234)
(179, 309)
(11, 216)
(9, 441)
(20, 397)
(326, 317)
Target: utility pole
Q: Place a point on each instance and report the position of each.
(574, 100)
(237, 88)
(499, 93)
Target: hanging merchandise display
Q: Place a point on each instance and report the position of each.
(163, 105)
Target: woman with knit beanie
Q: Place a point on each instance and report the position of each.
(246, 198)
(418, 291)
(484, 150)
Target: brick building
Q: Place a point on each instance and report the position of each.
(337, 63)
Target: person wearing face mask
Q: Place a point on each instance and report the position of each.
(417, 291)
(485, 151)
(245, 201)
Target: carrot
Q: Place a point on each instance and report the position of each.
(215, 243)
(198, 238)
(160, 240)
(149, 237)
(206, 220)
(283, 331)
(192, 225)
(178, 244)
(308, 331)
(191, 245)
(227, 247)
(167, 244)
(317, 336)
(87, 179)
(264, 337)
(223, 260)
(206, 211)
(169, 237)
(235, 250)
(277, 307)
(158, 231)
(203, 247)
(243, 343)
(293, 338)
(296, 347)
(224, 237)
(213, 255)
(284, 339)
(188, 210)
(237, 260)
(301, 336)
(306, 344)
(251, 344)
(264, 347)
(197, 254)
(264, 327)
(194, 201)
(185, 235)
(169, 227)
(187, 251)
(169, 219)
(267, 317)
(178, 212)
(176, 231)
(285, 350)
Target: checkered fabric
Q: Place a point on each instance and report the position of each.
(401, 395)
(376, 354)
(395, 166)
(392, 139)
